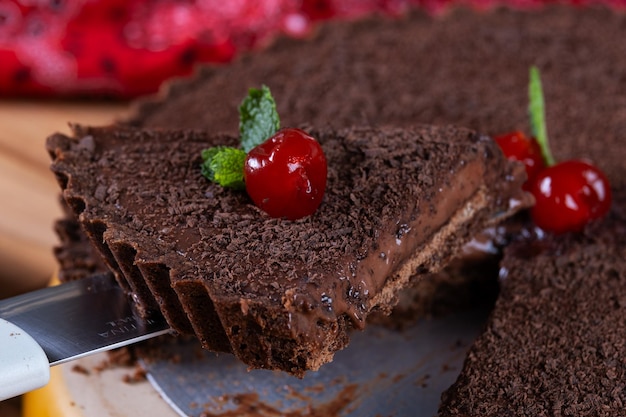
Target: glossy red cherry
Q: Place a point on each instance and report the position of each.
(286, 175)
(519, 147)
(569, 195)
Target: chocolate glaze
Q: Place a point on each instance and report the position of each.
(280, 294)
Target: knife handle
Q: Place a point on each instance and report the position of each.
(23, 364)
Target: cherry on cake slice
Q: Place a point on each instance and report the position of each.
(281, 294)
(554, 344)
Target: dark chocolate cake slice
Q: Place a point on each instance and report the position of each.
(281, 294)
(554, 345)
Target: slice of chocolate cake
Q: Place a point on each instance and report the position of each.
(554, 344)
(281, 294)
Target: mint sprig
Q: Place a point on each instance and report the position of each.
(224, 165)
(536, 110)
(258, 120)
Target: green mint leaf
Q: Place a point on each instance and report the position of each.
(258, 118)
(224, 166)
(536, 110)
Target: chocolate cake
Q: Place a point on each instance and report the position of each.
(281, 294)
(374, 71)
(554, 342)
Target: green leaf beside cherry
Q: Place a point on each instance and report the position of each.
(537, 115)
(258, 120)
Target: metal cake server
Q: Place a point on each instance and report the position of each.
(65, 322)
(383, 372)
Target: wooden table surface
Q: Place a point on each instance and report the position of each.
(28, 191)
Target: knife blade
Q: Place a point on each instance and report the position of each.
(62, 323)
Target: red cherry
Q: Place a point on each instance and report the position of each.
(519, 147)
(569, 195)
(286, 175)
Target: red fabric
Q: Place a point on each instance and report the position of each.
(127, 48)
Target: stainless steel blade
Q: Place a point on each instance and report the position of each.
(383, 372)
(79, 318)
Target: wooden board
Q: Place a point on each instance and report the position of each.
(28, 191)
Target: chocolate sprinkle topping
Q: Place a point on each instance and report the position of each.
(554, 345)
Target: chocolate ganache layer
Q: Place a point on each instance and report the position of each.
(281, 294)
